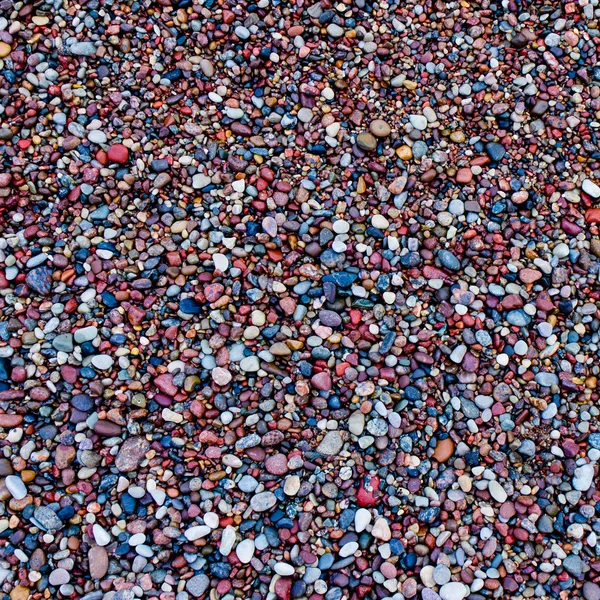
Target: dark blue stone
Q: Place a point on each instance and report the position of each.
(221, 570)
(334, 403)
(252, 228)
(341, 278)
(40, 280)
(495, 151)
(108, 482)
(107, 246)
(173, 75)
(388, 342)
(272, 536)
(410, 560)
(396, 546)
(298, 589)
(326, 561)
(64, 514)
(410, 259)
(285, 523)
(128, 504)
(429, 515)
(412, 393)
(190, 306)
(5, 369)
(109, 299)
(448, 260)
(347, 518)
(122, 549)
(88, 348)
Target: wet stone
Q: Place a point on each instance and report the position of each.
(47, 518)
(40, 280)
(131, 454)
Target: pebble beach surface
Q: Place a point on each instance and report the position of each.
(299, 300)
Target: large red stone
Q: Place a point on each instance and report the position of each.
(283, 588)
(367, 490)
(322, 381)
(464, 175)
(118, 154)
(592, 215)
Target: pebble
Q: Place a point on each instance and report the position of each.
(197, 585)
(228, 538)
(83, 49)
(453, 591)
(263, 501)
(101, 536)
(245, 551)
(15, 487)
(47, 518)
(362, 519)
(497, 491)
(584, 476)
(331, 444)
(379, 128)
(419, 122)
(591, 188)
(98, 562)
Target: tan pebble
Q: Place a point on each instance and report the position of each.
(465, 483)
(457, 136)
(379, 128)
(404, 152)
(366, 141)
(443, 450)
(280, 349)
(19, 593)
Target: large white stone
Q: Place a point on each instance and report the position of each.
(590, 188)
(497, 491)
(196, 532)
(199, 181)
(103, 362)
(362, 519)
(101, 536)
(284, 569)
(227, 540)
(211, 519)
(356, 422)
(348, 549)
(380, 222)
(85, 334)
(453, 591)
(250, 364)
(381, 530)
(419, 122)
(16, 487)
(221, 262)
(584, 476)
(245, 551)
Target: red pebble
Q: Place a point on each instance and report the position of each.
(118, 154)
(366, 492)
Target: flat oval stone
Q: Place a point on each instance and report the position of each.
(444, 450)
(131, 454)
(379, 128)
(98, 562)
